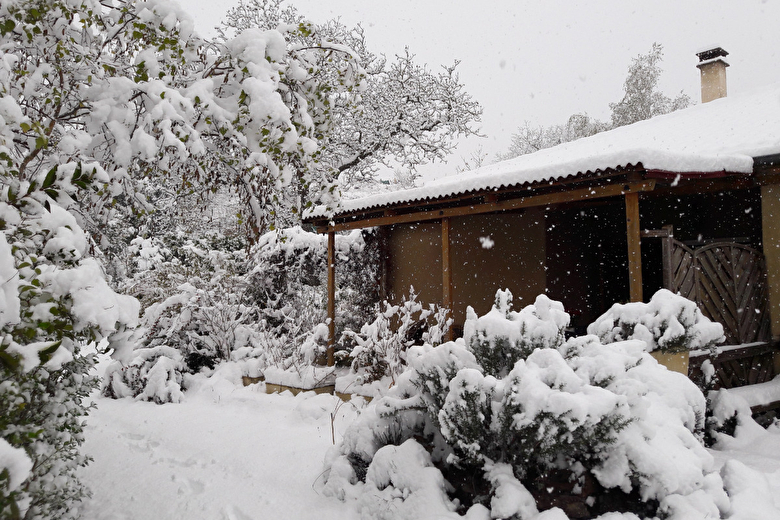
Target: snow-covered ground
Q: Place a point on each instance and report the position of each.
(235, 453)
(225, 452)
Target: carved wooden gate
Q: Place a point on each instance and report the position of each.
(728, 282)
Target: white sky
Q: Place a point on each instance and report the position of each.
(543, 61)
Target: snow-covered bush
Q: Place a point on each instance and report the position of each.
(290, 272)
(503, 336)
(196, 328)
(668, 322)
(160, 264)
(287, 285)
(53, 299)
(205, 323)
(576, 424)
(224, 310)
(381, 345)
(155, 374)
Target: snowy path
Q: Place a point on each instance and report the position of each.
(216, 456)
(230, 453)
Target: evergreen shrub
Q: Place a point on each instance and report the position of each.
(518, 419)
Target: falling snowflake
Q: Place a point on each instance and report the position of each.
(487, 242)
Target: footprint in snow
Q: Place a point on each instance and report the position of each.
(189, 485)
(234, 513)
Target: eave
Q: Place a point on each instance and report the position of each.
(575, 189)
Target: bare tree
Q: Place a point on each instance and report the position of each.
(405, 114)
(641, 100)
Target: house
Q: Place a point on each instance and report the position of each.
(689, 201)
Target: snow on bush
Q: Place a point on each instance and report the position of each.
(290, 272)
(54, 300)
(265, 312)
(503, 336)
(668, 322)
(195, 329)
(15, 468)
(572, 424)
(380, 346)
(404, 484)
(155, 374)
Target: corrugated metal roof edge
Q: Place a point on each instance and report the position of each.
(314, 214)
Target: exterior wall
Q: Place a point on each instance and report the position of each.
(514, 262)
(576, 254)
(414, 259)
(770, 213)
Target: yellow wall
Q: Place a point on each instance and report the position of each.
(515, 261)
(770, 213)
(414, 259)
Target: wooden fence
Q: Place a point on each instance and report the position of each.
(737, 365)
(727, 280)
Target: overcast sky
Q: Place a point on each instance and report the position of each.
(545, 60)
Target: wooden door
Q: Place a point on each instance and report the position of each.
(728, 282)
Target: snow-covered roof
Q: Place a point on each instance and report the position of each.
(722, 135)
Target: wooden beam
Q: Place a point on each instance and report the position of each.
(558, 197)
(384, 260)
(514, 191)
(634, 247)
(698, 186)
(446, 270)
(331, 298)
(768, 175)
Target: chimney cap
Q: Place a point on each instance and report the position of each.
(711, 53)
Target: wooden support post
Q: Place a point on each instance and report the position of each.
(446, 270)
(667, 246)
(634, 247)
(384, 258)
(331, 298)
(770, 229)
(666, 234)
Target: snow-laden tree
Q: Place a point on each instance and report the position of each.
(128, 89)
(530, 139)
(406, 115)
(641, 100)
(97, 99)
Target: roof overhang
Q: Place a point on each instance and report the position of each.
(580, 188)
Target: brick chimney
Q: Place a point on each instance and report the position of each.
(713, 73)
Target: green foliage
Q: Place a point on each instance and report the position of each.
(44, 378)
(497, 348)
(487, 421)
(42, 412)
(498, 355)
